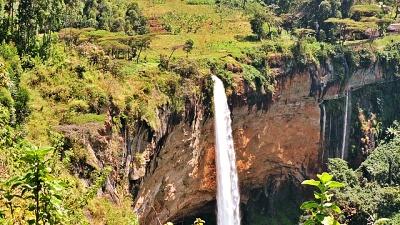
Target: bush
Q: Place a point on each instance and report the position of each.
(372, 191)
(390, 60)
(5, 98)
(103, 211)
(322, 210)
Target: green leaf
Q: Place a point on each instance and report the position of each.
(329, 197)
(381, 221)
(328, 220)
(334, 184)
(311, 182)
(309, 205)
(325, 177)
(309, 222)
(317, 195)
(336, 208)
(320, 217)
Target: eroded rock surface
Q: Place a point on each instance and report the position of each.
(273, 145)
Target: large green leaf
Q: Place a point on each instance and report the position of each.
(328, 220)
(334, 184)
(309, 205)
(309, 222)
(325, 177)
(336, 208)
(311, 182)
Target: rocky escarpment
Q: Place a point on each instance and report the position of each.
(274, 145)
(170, 171)
(278, 141)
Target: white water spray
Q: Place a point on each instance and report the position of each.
(228, 197)
(346, 115)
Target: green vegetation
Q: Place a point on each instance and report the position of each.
(119, 63)
(371, 193)
(198, 221)
(322, 210)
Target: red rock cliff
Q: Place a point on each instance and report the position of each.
(280, 142)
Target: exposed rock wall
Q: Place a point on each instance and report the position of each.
(170, 171)
(279, 143)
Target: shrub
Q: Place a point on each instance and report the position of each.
(390, 60)
(371, 191)
(322, 210)
(103, 210)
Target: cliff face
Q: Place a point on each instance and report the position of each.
(274, 146)
(170, 171)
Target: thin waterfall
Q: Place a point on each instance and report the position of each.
(345, 123)
(228, 197)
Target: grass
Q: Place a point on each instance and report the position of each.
(103, 211)
(379, 43)
(200, 2)
(215, 39)
(60, 96)
(152, 9)
(87, 118)
(382, 42)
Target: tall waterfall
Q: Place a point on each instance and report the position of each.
(228, 197)
(345, 123)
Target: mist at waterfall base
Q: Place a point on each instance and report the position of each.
(228, 197)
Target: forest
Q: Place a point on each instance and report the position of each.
(106, 114)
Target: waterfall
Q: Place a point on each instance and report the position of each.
(228, 197)
(345, 123)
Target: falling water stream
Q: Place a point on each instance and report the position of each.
(345, 125)
(228, 197)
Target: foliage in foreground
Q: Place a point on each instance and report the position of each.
(323, 210)
(198, 221)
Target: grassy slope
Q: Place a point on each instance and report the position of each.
(214, 40)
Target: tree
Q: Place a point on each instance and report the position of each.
(90, 13)
(322, 210)
(135, 22)
(38, 187)
(262, 16)
(26, 35)
(104, 15)
(142, 43)
(117, 25)
(257, 24)
(347, 27)
(345, 8)
(188, 47)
